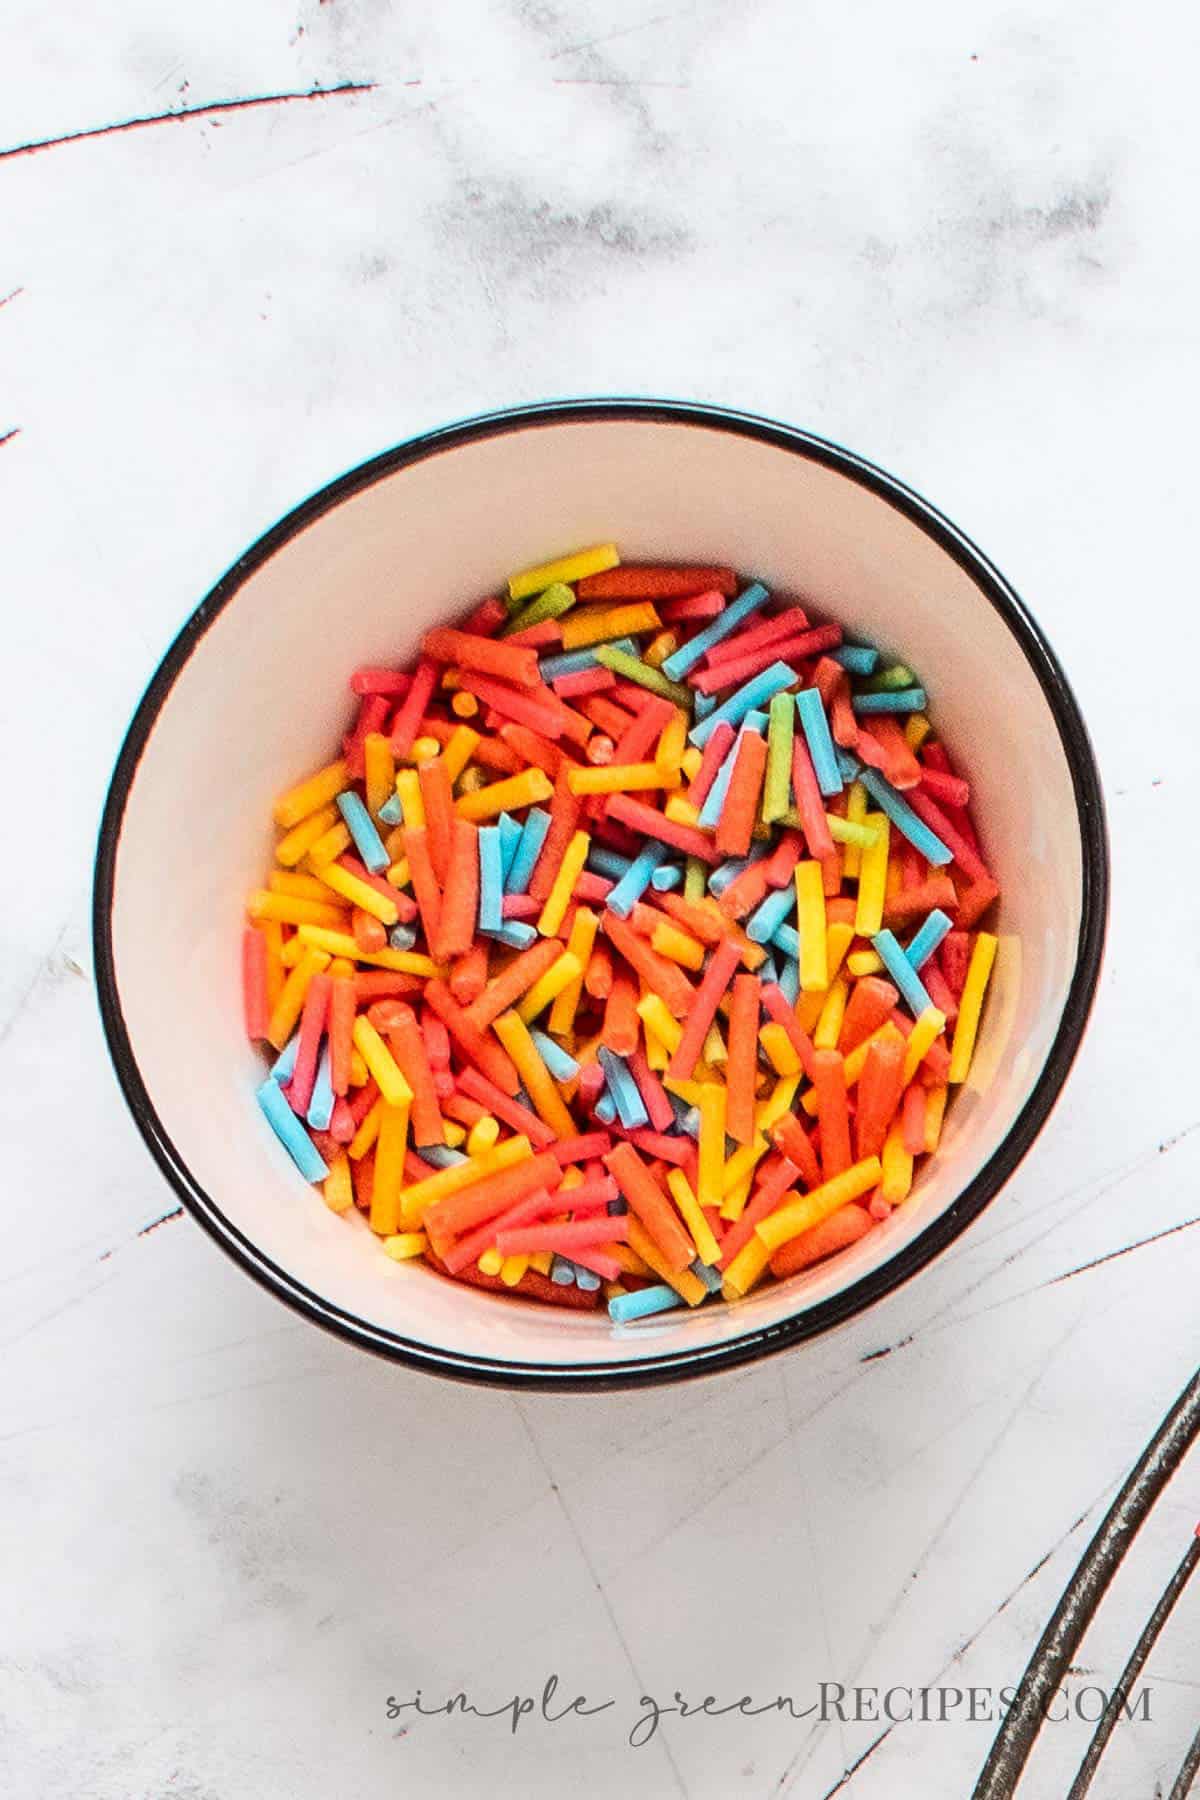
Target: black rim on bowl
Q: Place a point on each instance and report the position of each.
(761, 1340)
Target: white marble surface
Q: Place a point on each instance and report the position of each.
(962, 240)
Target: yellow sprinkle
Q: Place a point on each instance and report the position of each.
(292, 951)
(681, 811)
(734, 1203)
(872, 879)
(711, 1158)
(288, 909)
(598, 625)
(512, 1269)
(337, 1188)
(579, 945)
(779, 1049)
(917, 730)
(403, 1245)
(454, 1133)
(408, 787)
(340, 943)
(897, 1165)
(549, 986)
(298, 842)
(464, 705)
(768, 1112)
(698, 1226)
(379, 766)
(570, 869)
(780, 1227)
(460, 748)
(425, 749)
(367, 1133)
(621, 778)
(678, 945)
(829, 1026)
(389, 1161)
(692, 758)
(845, 831)
(538, 1082)
(856, 812)
(542, 1261)
(305, 798)
(979, 969)
(290, 1003)
(659, 648)
(340, 968)
(359, 893)
(301, 887)
(526, 789)
(927, 1029)
(714, 1046)
(482, 1135)
(423, 1194)
(398, 874)
(331, 843)
(566, 569)
(359, 1073)
(864, 962)
(653, 1012)
(810, 911)
(491, 1262)
(381, 1063)
(746, 1269)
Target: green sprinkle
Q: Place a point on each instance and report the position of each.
(695, 879)
(634, 669)
(777, 785)
(556, 600)
(889, 681)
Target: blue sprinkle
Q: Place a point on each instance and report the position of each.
(860, 659)
(768, 969)
(902, 972)
(320, 1105)
(908, 700)
(573, 662)
(724, 625)
(360, 825)
(603, 861)
(789, 982)
(441, 1156)
(712, 1278)
(704, 704)
(921, 947)
(631, 1108)
(849, 766)
(666, 877)
(788, 939)
(391, 812)
(587, 1279)
(290, 1132)
(533, 836)
(515, 933)
(605, 1109)
(689, 1123)
(770, 914)
(510, 836)
(714, 800)
(285, 1062)
(560, 1063)
(624, 1308)
(751, 694)
(635, 880)
(562, 1273)
(491, 878)
(616, 1209)
(904, 818)
(726, 873)
(820, 743)
(402, 937)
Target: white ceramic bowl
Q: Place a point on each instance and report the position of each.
(253, 693)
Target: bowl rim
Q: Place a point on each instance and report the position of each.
(758, 1341)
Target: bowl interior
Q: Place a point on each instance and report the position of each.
(261, 699)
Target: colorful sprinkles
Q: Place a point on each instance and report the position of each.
(630, 950)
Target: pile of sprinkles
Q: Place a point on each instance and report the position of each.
(628, 953)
